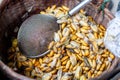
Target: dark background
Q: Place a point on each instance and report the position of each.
(3, 77)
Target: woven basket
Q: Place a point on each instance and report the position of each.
(14, 12)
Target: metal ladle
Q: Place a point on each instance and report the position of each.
(37, 32)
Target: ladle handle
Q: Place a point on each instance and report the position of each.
(78, 7)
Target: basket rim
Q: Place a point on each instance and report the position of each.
(5, 68)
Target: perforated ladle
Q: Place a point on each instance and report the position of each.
(37, 32)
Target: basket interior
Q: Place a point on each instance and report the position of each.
(17, 11)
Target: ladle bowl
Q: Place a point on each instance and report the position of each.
(35, 34)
